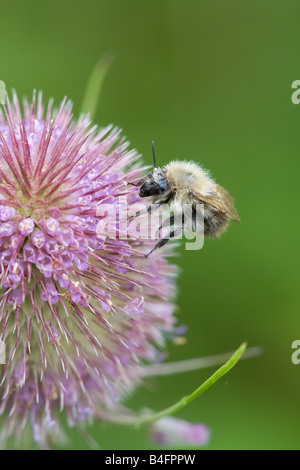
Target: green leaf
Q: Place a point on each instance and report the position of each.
(187, 365)
(153, 416)
(95, 85)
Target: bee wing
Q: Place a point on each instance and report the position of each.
(222, 201)
(228, 203)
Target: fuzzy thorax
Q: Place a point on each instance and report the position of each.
(182, 175)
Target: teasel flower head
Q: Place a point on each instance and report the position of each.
(81, 312)
(169, 431)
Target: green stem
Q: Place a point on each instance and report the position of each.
(150, 417)
(94, 85)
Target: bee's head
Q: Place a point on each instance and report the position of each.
(153, 184)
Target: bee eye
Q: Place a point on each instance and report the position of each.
(155, 184)
(151, 189)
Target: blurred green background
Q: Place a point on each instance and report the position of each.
(209, 81)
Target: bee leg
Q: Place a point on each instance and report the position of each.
(172, 234)
(150, 208)
(168, 222)
(144, 211)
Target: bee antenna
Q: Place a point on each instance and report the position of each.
(153, 153)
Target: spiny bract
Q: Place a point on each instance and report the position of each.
(80, 312)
